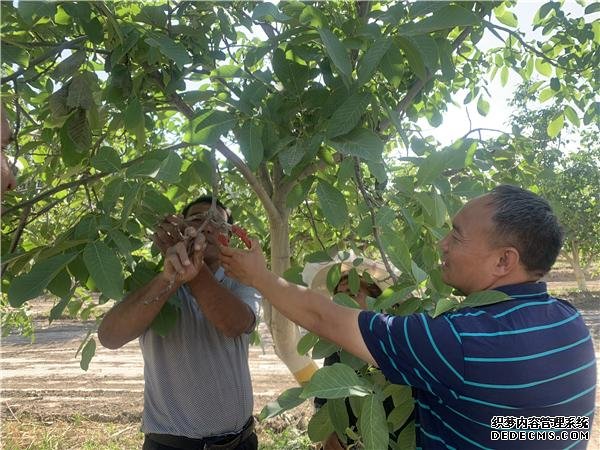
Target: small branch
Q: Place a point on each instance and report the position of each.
(313, 225)
(17, 124)
(492, 27)
(254, 183)
(420, 83)
(80, 181)
(19, 230)
(369, 204)
(49, 54)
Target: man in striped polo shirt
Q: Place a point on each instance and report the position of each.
(520, 373)
(197, 387)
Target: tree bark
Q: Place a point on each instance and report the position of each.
(286, 334)
(577, 269)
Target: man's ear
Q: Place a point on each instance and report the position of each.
(508, 261)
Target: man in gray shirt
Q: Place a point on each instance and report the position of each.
(198, 392)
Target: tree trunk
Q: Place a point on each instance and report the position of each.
(286, 334)
(577, 269)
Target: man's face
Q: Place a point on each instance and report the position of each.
(210, 231)
(6, 175)
(468, 255)
(360, 297)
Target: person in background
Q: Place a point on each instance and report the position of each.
(523, 364)
(370, 285)
(7, 177)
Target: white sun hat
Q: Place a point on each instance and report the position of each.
(315, 274)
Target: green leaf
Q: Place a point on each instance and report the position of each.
(106, 160)
(105, 269)
(592, 8)
(547, 94)
(210, 126)
(336, 51)
(80, 93)
(344, 299)
(299, 193)
(543, 67)
(266, 10)
(372, 424)
(431, 168)
(332, 203)
(169, 48)
(313, 17)
(87, 354)
(368, 64)
(503, 76)
(29, 10)
(61, 284)
(347, 116)
(444, 305)
(12, 54)
(360, 142)
(446, 61)
(94, 30)
(250, 140)
(170, 168)
(338, 414)
(572, 116)
(336, 381)
(323, 349)
(483, 298)
(320, 426)
(556, 125)
(306, 342)
(288, 399)
(428, 49)
(31, 284)
(414, 57)
(75, 138)
(447, 17)
(69, 65)
(507, 18)
(334, 274)
(555, 84)
(397, 250)
(407, 438)
(134, 121)
(165, 320)
(291, 156)
(483, 107)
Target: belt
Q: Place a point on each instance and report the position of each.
(225, 442)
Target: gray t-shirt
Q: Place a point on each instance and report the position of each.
(197, 381)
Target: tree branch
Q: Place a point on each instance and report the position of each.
(528, 46)
(313, 225)
(420, 83)
(369, 203)
(82, 180)
(49, 54)
(254, 182)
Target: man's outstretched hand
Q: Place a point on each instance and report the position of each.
(184, 259)
(246, 266)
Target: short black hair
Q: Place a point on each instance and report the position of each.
(208, 199)
(526, 221)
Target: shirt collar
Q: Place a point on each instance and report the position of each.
(524, 289)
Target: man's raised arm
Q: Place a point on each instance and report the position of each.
(307, 308)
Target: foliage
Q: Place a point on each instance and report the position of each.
(119, 107)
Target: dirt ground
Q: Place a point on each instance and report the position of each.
(43, 381)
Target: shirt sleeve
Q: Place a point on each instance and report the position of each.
(250, 297)
(414, 350)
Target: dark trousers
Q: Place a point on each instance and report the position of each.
(251, 443)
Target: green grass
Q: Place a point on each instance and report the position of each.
(288, 439)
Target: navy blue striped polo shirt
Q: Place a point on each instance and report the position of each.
(527, 357)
